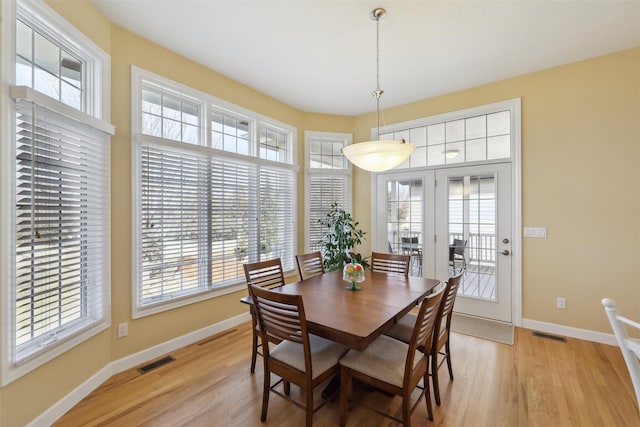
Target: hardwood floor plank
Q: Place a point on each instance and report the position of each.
(535, 382)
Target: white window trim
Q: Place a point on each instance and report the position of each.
(309, 136)
(210, 104)
(98, 69)
(512, 105)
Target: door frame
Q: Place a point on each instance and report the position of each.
(379, 242)
(516, 194)
(474, 306)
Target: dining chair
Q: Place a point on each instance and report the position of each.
(265, 274)
(310, 265)
(630, 347)
(390, 263)
(393, 366)
(404, 327)
(301, 358)
(456, 253)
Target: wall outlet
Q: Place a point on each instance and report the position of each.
(562, 303)
(123, 330)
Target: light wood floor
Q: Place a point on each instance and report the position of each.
(536, 382)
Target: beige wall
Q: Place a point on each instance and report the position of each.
(580, 142)
(580, 179)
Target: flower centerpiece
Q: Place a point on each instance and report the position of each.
(353, 272)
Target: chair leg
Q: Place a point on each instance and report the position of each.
(427, 395)
(265, 394)
(254, 334)
(309, 408)
(254, 351)
(448, 350)
(406, 408)
(345, 394)
(286, 385)
(434, 377)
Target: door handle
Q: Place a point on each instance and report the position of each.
(506, 252)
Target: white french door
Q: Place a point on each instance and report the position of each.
(473, 209)
(404, 218)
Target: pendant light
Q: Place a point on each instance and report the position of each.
(378, 156)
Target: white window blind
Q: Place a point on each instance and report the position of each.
(204, 209)
(328, 180)
(200, 217)
(170, 242)
(324, 190)
(276, 220)
(62, 226)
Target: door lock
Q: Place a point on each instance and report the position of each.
(505, 241)
(506, 252)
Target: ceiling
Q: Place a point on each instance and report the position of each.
(319, 55)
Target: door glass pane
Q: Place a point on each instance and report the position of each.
(405, 206)
(472, 234)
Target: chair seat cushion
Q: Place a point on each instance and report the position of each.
(325, 354)
(404, 328)
(384, 359)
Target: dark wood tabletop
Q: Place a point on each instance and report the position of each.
(356, 318)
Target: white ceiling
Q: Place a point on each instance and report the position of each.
(319, 55)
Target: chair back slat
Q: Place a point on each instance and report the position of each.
(446, 307)
(265, 274)
(424, 328)
(310, 265)
(280, 315)
(390, 263)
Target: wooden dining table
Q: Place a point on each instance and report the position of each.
(356, 318)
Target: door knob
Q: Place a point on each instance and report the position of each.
(505, 241)
(505, 252)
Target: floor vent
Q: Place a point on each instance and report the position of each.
(549, 336)
(153, 365)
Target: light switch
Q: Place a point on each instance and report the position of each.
(537, 232)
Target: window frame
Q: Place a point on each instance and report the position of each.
(346, 173)
(210, 105)
(403, 128)
(96, 113)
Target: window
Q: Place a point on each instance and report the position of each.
(328, 180)
(170, 117)
(205, 206)
(58, 283)
(479, 135)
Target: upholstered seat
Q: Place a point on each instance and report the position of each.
(404, 327)
(300, 358)
(393, 366)
(324, 354)
(384, 360)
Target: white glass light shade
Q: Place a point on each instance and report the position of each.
(378, 156)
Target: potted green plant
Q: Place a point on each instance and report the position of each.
(341, 235)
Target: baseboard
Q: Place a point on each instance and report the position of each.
(61, 407)
(176, 343)
(568, 331)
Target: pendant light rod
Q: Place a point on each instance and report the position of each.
(377, 155)
(377, 14)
